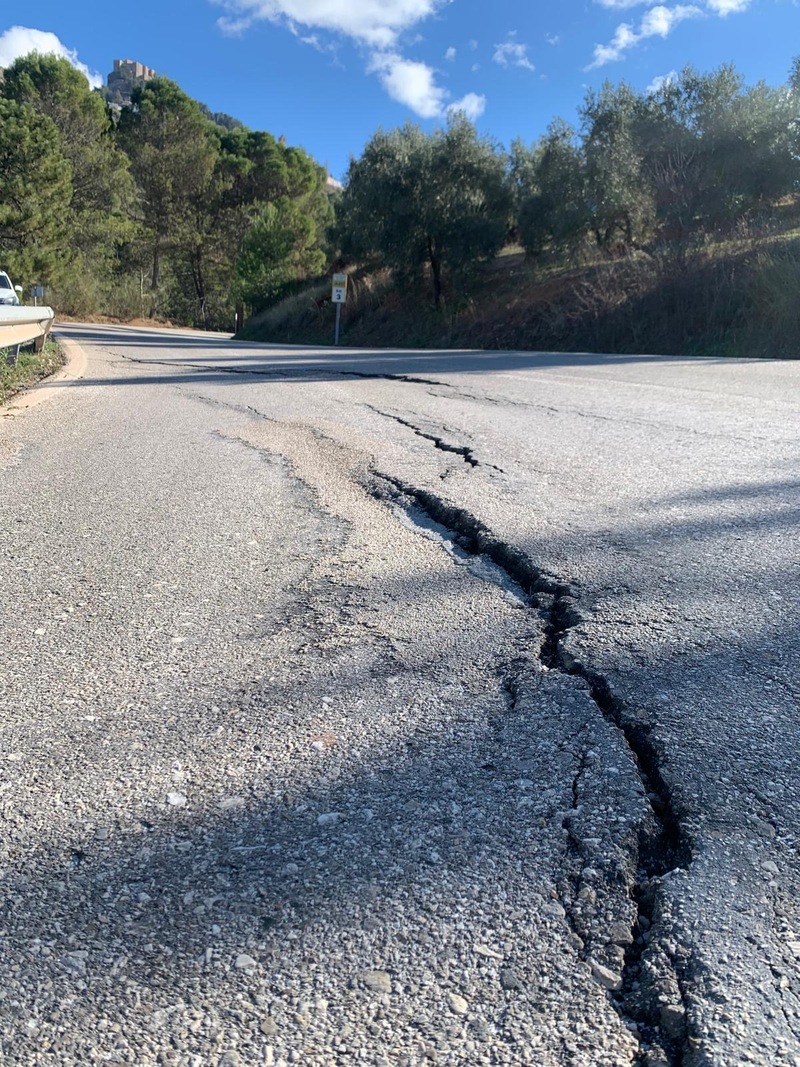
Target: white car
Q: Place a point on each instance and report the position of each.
(9, 294)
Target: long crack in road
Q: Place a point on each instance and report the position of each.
(420, 707)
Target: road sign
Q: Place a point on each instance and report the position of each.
(339, 291)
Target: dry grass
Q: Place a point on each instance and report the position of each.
(736, 296)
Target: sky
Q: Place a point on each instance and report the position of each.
(327, 73)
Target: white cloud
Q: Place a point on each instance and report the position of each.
(473, 45)
(450, 54)
(21, 41)
(716, 7)
(658, 83)
(512, 54)
(411, 83)
(719, 7)
(233, 27)
(658, 21)
(472, 105)
(624, 38)
(728, 7)
(375, 24)
(552, 38)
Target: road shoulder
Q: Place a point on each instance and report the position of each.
(72, 370)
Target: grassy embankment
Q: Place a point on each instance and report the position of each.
(738, 296)
(29, 368)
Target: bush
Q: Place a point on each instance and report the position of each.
(774, 299)
(78, 294)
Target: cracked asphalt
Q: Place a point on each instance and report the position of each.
(399, 708)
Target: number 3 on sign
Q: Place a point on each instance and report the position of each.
(339, 291)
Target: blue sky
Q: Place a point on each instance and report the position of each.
(327, 73)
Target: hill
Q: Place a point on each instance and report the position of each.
(730, 298)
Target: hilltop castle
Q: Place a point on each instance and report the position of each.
(124, 78)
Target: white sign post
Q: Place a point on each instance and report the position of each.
(338, 296)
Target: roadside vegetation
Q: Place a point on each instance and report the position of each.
(19, 372)
(157, 212)
(665, 221)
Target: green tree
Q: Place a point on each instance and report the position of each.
(100, 180)
(283, 246)
(793, 129)
(715, 151)
(35, 194)
(252, 171)
(553, 210)
(173, 151)
(618, 197)
(439, 201)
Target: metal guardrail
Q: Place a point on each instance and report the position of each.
(21, 325)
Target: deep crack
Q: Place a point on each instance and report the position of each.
(390, 377)
(464, 451)
(302, 373)
(311, 373)
(510, 686)
(245, 409)
(665, 849)
(438, 442)
(574, 848)
(466, 454)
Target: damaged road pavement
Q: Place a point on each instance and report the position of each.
(399, 708)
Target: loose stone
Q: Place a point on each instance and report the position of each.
(484, 950)
(605, 977)
(457, 1004)
(553, 909)
(509, 979)
(330, 818)
(377, 981)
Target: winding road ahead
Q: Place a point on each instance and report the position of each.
(398, 708)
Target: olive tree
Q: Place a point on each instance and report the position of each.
(553, 210)
(435, 202)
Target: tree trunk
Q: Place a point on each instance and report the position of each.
(154, 281)
(200, 285)
(436, 273)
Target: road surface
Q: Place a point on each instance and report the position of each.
(400, 708)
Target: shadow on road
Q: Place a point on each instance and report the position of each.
(320, 364)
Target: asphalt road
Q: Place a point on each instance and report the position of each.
(400, 708)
